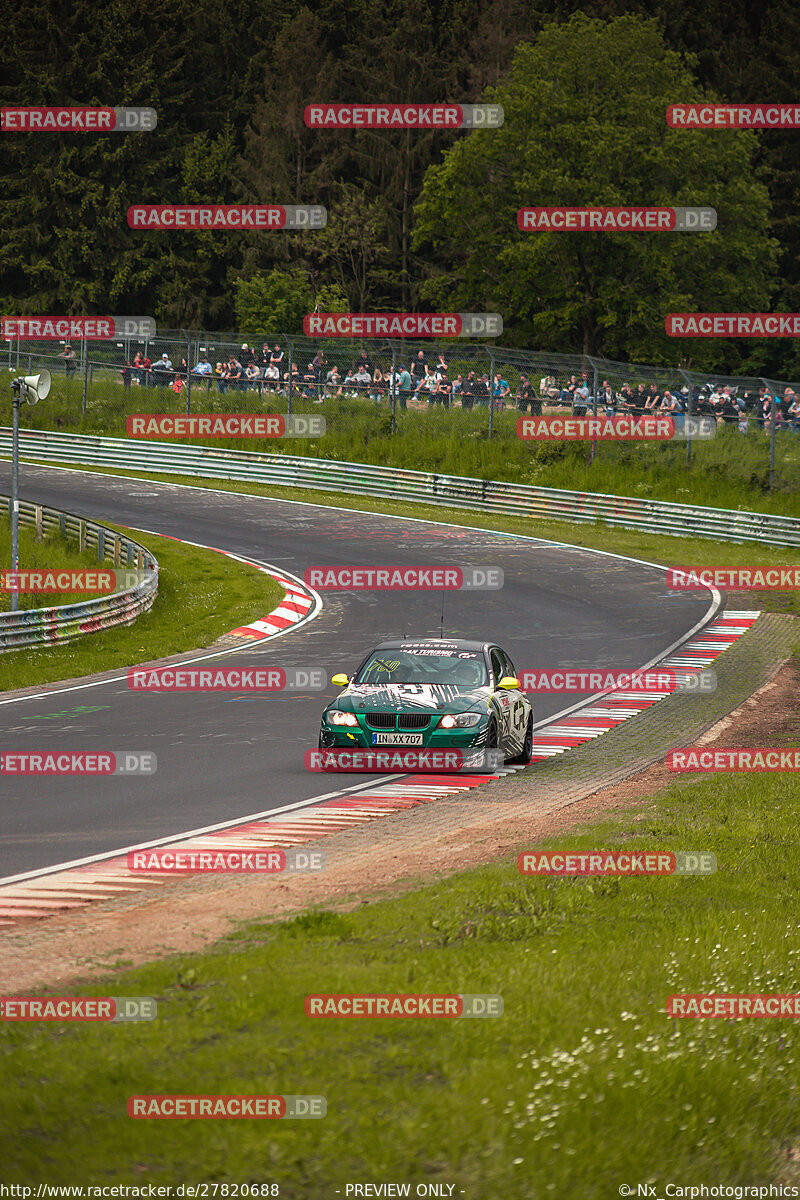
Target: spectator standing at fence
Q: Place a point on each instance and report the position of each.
(126, 373)
(428, 387)
(376, 388)
(202, 366)
(137, 363)
(608, 399)
(309, 379)
(653, 401)
(350, 382)
(526, 396)
(483, 391)
(444, 389)
(218, 372)
(362, 378)
(276, 358)
(333, 382)
(70, 360)
(162, 369)
(253, 376)
(271, 377)
(263, 358)
(793, 414)
(147, 371)
(627, 400)
(295, 380)
(672, 405)
(568, 392)
(404, 385)
(765, 406)
(363, 363)
(500, 391)
(549, 389)
(236, 377)
(580, 399)
(640, 400)
(318, 364)
(246, 357)
(728, 411)
(419, 368)
(468, 391)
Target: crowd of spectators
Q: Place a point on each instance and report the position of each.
(425, 380)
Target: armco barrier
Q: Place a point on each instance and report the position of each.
(49, 626)
(651, 516)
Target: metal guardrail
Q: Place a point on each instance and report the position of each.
(650, 516)
(49, 626)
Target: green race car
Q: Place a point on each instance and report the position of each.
(432, 693)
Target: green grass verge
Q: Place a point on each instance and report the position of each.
(729, 471)
(52, 553)
(671, 551)
(584, 1084)
(201, 595)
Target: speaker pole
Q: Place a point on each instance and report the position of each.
(16, 387)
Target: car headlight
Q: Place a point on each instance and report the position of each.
(335, 716)
(460, 720)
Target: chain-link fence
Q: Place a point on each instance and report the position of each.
(187, 371)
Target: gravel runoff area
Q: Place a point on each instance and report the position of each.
(756, 703)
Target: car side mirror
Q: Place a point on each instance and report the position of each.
(509, 683)
(340, 680)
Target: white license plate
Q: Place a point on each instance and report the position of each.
(397, 739)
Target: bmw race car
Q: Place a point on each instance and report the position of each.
(432, 693)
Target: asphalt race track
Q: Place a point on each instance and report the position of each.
(221, 757)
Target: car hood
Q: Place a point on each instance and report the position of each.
(411, 697)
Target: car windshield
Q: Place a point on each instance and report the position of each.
(455, 668)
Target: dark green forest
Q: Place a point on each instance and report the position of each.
(417, 220)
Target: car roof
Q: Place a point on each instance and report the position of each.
(431, 643)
